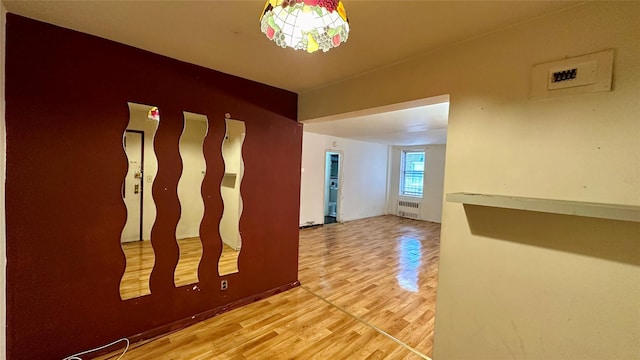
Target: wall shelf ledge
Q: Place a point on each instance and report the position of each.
(577, 208)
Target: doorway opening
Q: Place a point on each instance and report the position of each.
(333, 161)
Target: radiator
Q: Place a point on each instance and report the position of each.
(408, 209)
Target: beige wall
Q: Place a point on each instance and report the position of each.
(516, 284)
(431, 201)
(312, 178)
(363, 180)
(3, 240)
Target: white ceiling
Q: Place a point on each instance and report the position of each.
(225, 36)
(421, 122)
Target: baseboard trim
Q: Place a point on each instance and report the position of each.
(310, 226)
(137, 339)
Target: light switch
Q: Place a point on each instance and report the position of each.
(149, 179)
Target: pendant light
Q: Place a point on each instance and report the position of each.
(309, 25)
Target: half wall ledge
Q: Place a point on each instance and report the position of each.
(577, 208)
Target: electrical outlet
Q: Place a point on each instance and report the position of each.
(224, 285)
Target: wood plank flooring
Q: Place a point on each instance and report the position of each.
(140, 261)
(190, 250)
(383, 270)
(228, 263)
(368, 292)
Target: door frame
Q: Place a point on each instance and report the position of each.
(340, 183)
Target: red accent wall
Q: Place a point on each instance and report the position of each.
(66, 97)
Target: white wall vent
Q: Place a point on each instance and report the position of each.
(408, 209)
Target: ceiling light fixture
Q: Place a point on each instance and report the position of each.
(308, 25)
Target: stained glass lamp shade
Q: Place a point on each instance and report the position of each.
(308, 25)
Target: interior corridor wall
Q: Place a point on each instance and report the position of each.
(518, 284)
(363, 179)
(431, 201)
(312, 179)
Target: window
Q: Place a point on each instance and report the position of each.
(412, 173)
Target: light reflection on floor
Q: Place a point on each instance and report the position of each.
(409, 253)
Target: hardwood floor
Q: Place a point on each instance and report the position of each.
(140, 260)
(383, 270)
(228, 263)
(190, 250)
(368, 292)
(190, 256)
